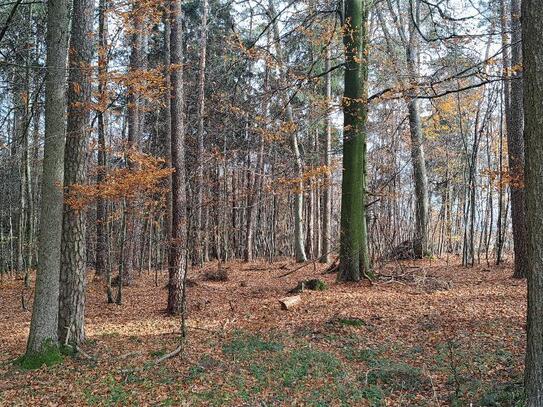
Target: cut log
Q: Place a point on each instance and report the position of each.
(289, 302)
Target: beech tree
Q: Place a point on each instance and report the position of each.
(354, 259)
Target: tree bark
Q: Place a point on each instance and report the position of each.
(101, 207)
(201, 113)
(327, 147)
(71, 322)
(532, 48)
(354, 259)
(515, 146)
(44, 324)
(177, 254)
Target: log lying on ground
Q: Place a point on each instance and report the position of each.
(290, 302)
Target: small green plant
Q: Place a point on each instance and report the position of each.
(244, 346)
(504, 395)
(374, 395)
(354, 322)
(50, 355)
(360, 355)
(397, 376)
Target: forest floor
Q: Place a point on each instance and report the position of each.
(427, 333)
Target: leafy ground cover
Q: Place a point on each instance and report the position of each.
(398, 342)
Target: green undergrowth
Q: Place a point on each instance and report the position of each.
(50, 355)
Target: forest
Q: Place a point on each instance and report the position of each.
(271, 203)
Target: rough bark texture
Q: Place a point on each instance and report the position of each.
(43, 327)
(515, 145)
(532, 30)
(354, 260)
(71, 323)
(176, 261)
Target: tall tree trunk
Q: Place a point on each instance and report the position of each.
(177, 254)
(134, 135)
(515, 145)
(201, 114)
(101, 207)
(44, 324)
(420, 241)
(327, 147)
(166, 129)
(299, 249)
(71, 322)
(532, 48)
(354, 260)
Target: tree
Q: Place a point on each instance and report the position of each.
(299, 247)
(515, 146)
(532, 48)
(43, 327)
(408, 38)
(177, 253)
(71, 321)
(354, 261)
(327, 146)
(102, 268)
(199, 250)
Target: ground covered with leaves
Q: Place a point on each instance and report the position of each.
(426, 333)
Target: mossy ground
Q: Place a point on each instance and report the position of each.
(50, 355)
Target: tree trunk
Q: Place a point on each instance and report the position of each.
(71, 323)
(134, 135)
(299, 249)
(101, 207)
(176, 261)
(327, 196)
(201, 113)
(515, 145)
(44, 324)
(354, 260)
(532, 47)
(420, 241)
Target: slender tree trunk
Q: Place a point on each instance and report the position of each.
(44, 324)
(420, 241)
(515, 146)
(354, 259)
(201, 114)
(134, 135)
(299, 249)
(532, 48)
(327, 147)
(71, 323)
(420, 179)
(166, 129)
(101, 207)
(179, 222)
